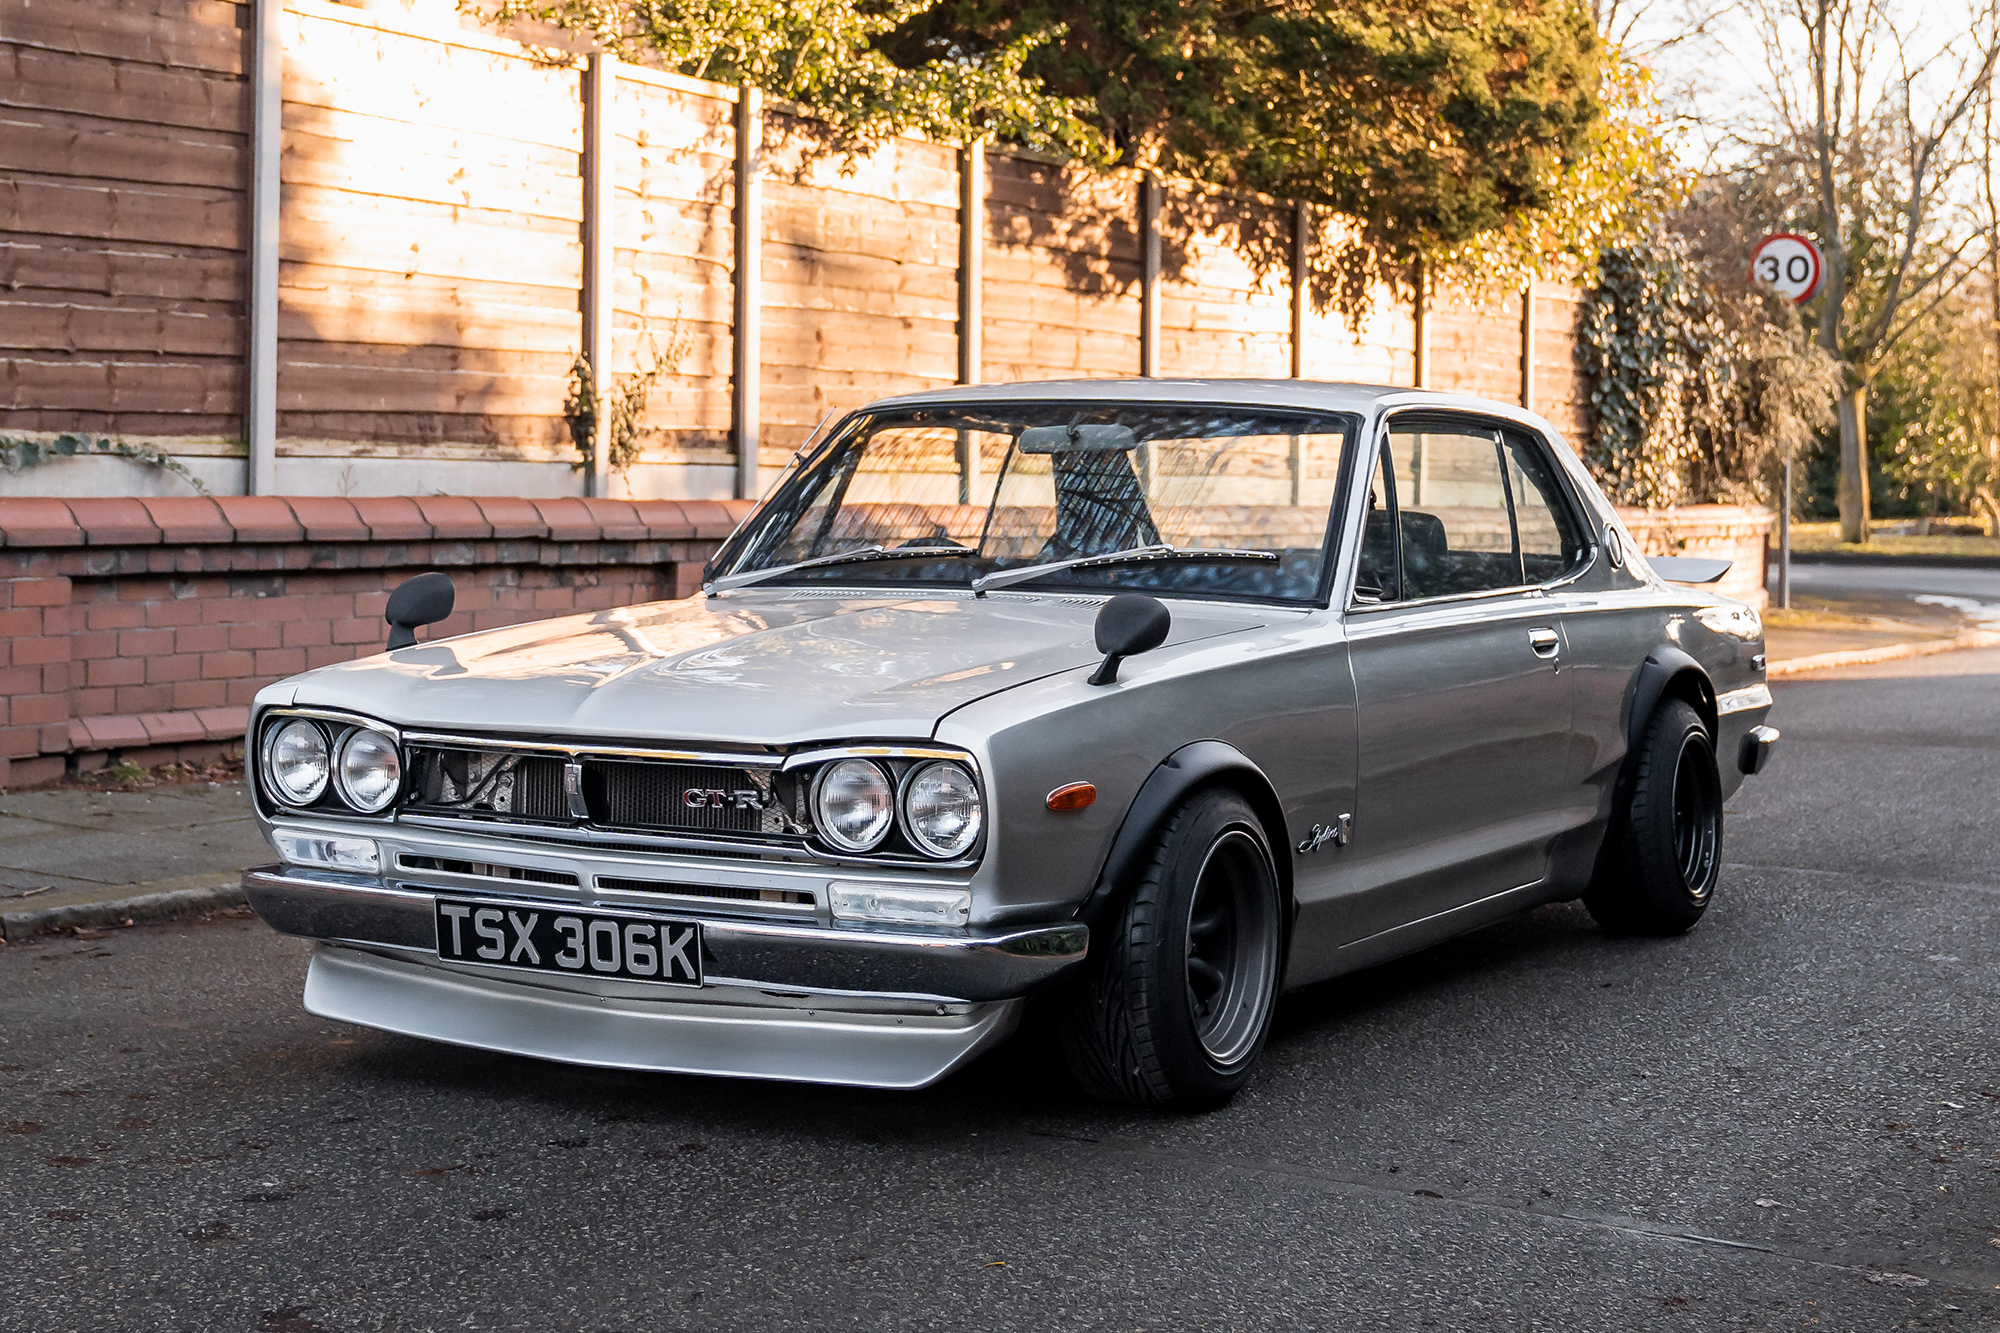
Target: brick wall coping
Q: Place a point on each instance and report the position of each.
(45, 522)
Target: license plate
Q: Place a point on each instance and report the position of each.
(540, 938)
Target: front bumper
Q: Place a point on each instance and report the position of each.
(780, 999)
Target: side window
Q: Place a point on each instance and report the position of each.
(1375, 577)
(1551, 545)
(1457, 528)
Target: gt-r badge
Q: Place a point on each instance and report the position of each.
(1322, 834)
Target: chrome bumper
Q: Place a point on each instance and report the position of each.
(738, 954)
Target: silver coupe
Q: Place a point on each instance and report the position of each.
(1141, 700)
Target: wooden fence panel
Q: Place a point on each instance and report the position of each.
(1562, 394)
(1476, 344)
(1062, 272)
(1220, 316)
(121, 217)
(432, 199)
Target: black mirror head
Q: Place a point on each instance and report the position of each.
(423, 600)
(1128, 624)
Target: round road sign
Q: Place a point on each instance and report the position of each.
(1789, 263)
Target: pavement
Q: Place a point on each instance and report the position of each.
(1789, 1118)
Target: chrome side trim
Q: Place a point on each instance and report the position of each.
(811, 1046)
(1750, 696)
(781, 955)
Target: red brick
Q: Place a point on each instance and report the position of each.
(199, 694)
(110, 671)
(242, 692)
(27, 772)
(329, 606)
(188, 519)
(166, 668)
(221, 724)
(307, 633)
(114, 521)
(17, 742)
(114, 615)
(260, 518)
(555, 599)
(665, 520)
(110, 732)
(19, 680)
(15, 624)
(35, 709)
(354, 630)
(329, 518)
(40, 592)
(226, 666)
(91, 701)
(171, 728)
(275, 662)
(40, 651)
(262, 634)
(454, 518)
(36, 521)
(393, 519)
(145, 643)
(93, 644)
(203, 639)
(616, 519)
(57, 678)
(185, 611)
(569, 520)
(376, 604)
(136, 699)
(512, 518)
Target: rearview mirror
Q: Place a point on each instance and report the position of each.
(423, 600)
(1128, 624)
(1094, 439)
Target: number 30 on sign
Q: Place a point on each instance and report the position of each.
(1788, 263)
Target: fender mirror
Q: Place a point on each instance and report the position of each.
(423, 600)
(1128, 624)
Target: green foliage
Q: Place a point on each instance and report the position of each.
(826, 56)
(1697, 392)
(1481, 136)
(19, 453)
(629, 396)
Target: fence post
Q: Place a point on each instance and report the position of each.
(1422, 331)
(1301, 284)
(1149, 280)
(600, 101)
(748, 334)
(267, 110)
(971, 261)
(1528, 345)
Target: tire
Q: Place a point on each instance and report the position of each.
(1178, 998)
(1665, 854)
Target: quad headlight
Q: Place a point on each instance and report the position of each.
(370, 771)
(296, 762)
(854, 805)
(941, 809)
(857, 804)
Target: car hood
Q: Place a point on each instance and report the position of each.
(753, 668)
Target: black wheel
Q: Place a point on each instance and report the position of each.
(1660, 872)
(1178, 997)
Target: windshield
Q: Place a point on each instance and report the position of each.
(1203, 500)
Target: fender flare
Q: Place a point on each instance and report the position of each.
(1194, 765)
(1662, 668)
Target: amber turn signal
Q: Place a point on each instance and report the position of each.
(1073, 797)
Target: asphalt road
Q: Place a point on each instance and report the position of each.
(1916, 590)
(1787, 1119)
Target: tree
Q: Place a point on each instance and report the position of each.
(1875, 108)
(827, 56)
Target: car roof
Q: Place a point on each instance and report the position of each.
(1315, 395)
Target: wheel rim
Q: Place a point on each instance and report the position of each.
(1697, 803)
(1232, 952)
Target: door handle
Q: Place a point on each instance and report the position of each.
(1545, 642)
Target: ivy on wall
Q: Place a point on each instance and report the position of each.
(18, 453)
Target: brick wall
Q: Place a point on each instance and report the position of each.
(140, 629)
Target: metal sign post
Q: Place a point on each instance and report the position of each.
(1792, 266)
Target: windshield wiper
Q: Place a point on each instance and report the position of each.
(1002, 578)
(748, 577)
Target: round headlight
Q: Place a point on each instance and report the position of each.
(853, 805)
(295, 762)
(369, 771)
(941, 810)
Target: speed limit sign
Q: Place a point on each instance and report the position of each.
(1788, 263)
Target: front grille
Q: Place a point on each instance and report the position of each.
(693, 798)
(483, 870)
(486, 783)
(797, 897)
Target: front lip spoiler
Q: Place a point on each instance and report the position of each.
(768, 955)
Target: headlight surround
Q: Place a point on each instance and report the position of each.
(370, 771)
(297, 762)
(853, 805)
(942, 812)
